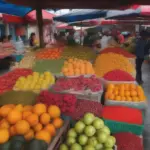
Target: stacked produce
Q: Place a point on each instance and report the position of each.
(117, 50)
(66, 102)
(126, 141)
(108, 62)
(118, 75)
(49, 54)
(8, 80)
(32, 122)
(79, 52)
(125, 92)
(76, 67)
(86, 106)
(26, 62)
(89, 133)
(78, 84)
(35, 82)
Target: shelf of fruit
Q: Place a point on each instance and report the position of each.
(125, 94)
(35, 82)
(89, 133)
(26, 123)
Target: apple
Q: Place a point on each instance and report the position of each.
(104, 129)
(89, 147)
(76, 146)
(98, 123)
(108, 148)
(88, 118)
(102, 137)
(63, 147)
(110, 142)
(79, 127)
(92, 141)
(99, 147)
(89, 131)
(72, 133)
(82, 139)
(70, 141)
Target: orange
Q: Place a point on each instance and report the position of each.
(118, 98)
(10, 105)
(127, 93)
(107, 95)
(111, 97)
(126, 87)
(4, 110)
(123, 98)
(39, 109)
(33, 119)
(43, 135)
(29, 135)
(132, 86)
(25, 114)
(122, 87)
(116, 92)
(133, 93)
(58, 123)
(12, 130)
(19, 107)
(4, 124)
(121, 93)
(22, 127)
(14, 116)
(27, 108)
(110, 91)
(45, 118)
(4, 136)
(38, 127)
(129, 98)
(54, 111)
(51, 129)
(135, 99)
(110, 86)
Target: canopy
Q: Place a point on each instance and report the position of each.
(63, 26)
(32, 16)
(79, 3)
(12, 9)
(12, 19)
(80, 15)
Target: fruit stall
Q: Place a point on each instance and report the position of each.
(69, 98)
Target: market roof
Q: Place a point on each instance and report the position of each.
(78, 3)
(12, 9)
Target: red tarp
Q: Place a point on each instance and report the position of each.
(12, 19)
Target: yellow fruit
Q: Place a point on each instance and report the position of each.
(12, 131)
(4, 110)
(58, 123)
(51, 129)
(29, 135)
(14, 116)
(39, 109)
(4, 136)
(33, 119)
(22, 127)
(43, 135)
(45, 119)
(25, 114)
(27, 108)
(54, 111)
(4, 124)
(38, 127)
(19, 107)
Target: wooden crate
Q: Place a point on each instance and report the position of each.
(60, 136)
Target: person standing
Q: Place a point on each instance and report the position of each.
(142, 49)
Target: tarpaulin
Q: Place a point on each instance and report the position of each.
(13, 9)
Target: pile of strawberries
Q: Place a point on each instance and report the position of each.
(78, 84)
(8, 80)
(66, 102)
(118, 75)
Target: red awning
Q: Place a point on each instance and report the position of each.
(31, 17)
(12, 19)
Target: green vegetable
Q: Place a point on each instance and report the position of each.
(5, 146)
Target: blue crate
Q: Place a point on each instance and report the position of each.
(18, 58)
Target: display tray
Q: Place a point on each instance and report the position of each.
(59, 138)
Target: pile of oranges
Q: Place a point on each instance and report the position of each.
(125, 92)
(49, 54)
(76, 67)
(33, 122)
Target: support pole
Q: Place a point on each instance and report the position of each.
(40, 26)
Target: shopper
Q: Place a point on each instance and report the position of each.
(142, 49)
(32, 39)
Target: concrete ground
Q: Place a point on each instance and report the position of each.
(146, 85)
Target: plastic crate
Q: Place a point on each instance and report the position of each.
(60, 137)
(18, 58)
(116, 127)
(138, 105)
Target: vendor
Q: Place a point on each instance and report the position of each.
(33, 40)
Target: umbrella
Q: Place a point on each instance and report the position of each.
(80, 15)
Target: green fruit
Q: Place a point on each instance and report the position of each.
(88, 118)
(99, 147)
(89, 147)
(89, 131)
(102, 137)
(92, 141)
(98, 123)
(63, 147)
(76, 147)
(70, 141)
(72, 133)
(108, 148)
(82, 139)
(79, 127)
(109, 143)
(104, 129)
